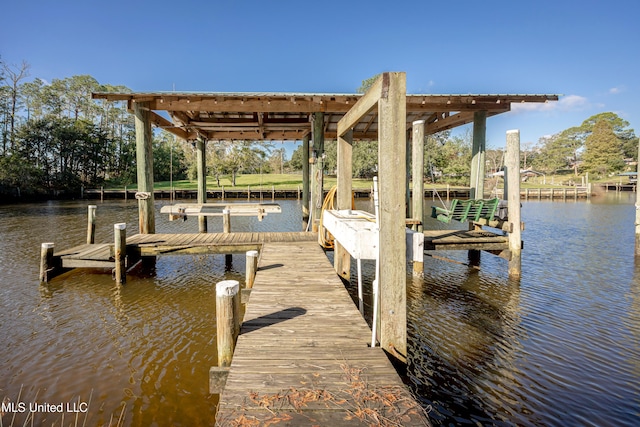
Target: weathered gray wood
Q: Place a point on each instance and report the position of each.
(392, 244)
(317, 169)
(251, 268)
(217, 378)
(315, 341)
(91, 224)
(226, 220)
(144, 157)
(637, 245)
(305, 181)
(342, 259)
(417, 162)
(478, 154)
(46, 261)
(120, 252)
(201, 161)
(365, 104)
(512, 175)
(227, 318)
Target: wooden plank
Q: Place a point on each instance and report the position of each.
(289, 347)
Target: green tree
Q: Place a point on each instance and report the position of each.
(366, 84)
(603, 149)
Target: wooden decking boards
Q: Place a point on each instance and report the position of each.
(302, 357)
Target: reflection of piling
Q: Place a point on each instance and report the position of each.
(46, 261)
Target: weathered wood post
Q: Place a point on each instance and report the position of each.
(637, 249)
(46, 261)
(226, 220)
(201, 160)
(251, 268)
(478, 154)
(91, 224)
(120, 251)
(305, 182)
(512, 175)
(392, 119)
(317, 168)
(228, 319)
(144, 157)
(341, 258)
(417, 172)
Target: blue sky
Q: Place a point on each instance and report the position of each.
(585, 50)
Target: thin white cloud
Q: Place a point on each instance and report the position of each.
(616, 90)
(565, 103)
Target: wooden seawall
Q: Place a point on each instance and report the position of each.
(302, 357)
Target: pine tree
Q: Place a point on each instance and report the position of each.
(603, 150)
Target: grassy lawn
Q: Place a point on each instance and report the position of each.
(292, 181)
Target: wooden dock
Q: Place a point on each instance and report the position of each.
(101, 255)
(303, 354)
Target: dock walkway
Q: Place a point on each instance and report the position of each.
(302, 357)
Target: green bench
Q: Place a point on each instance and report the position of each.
(466, 210)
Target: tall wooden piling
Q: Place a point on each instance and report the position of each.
(391, 157)
(91, 224)
(46, 261)
(251, 268)
(637, 249)
(120, 251)
(201, 149)
(228, 319)
(317, 169)
(478, 155)
(341, 258)
(512, 175)
(144, 157)
(226, 220)
(305, 182)
(417, 172)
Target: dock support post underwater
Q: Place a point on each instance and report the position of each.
(512, 176)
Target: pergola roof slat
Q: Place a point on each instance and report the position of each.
(285, 116)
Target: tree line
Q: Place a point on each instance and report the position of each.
(55, 139)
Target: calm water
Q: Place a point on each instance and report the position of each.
(560, 347)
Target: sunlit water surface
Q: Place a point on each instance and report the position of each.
(560, 347)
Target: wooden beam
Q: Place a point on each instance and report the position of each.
(392, 243)
(167, 125)
(417, 163)
(450, 122)
(364, 105)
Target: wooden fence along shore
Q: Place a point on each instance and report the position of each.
(253, 193)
